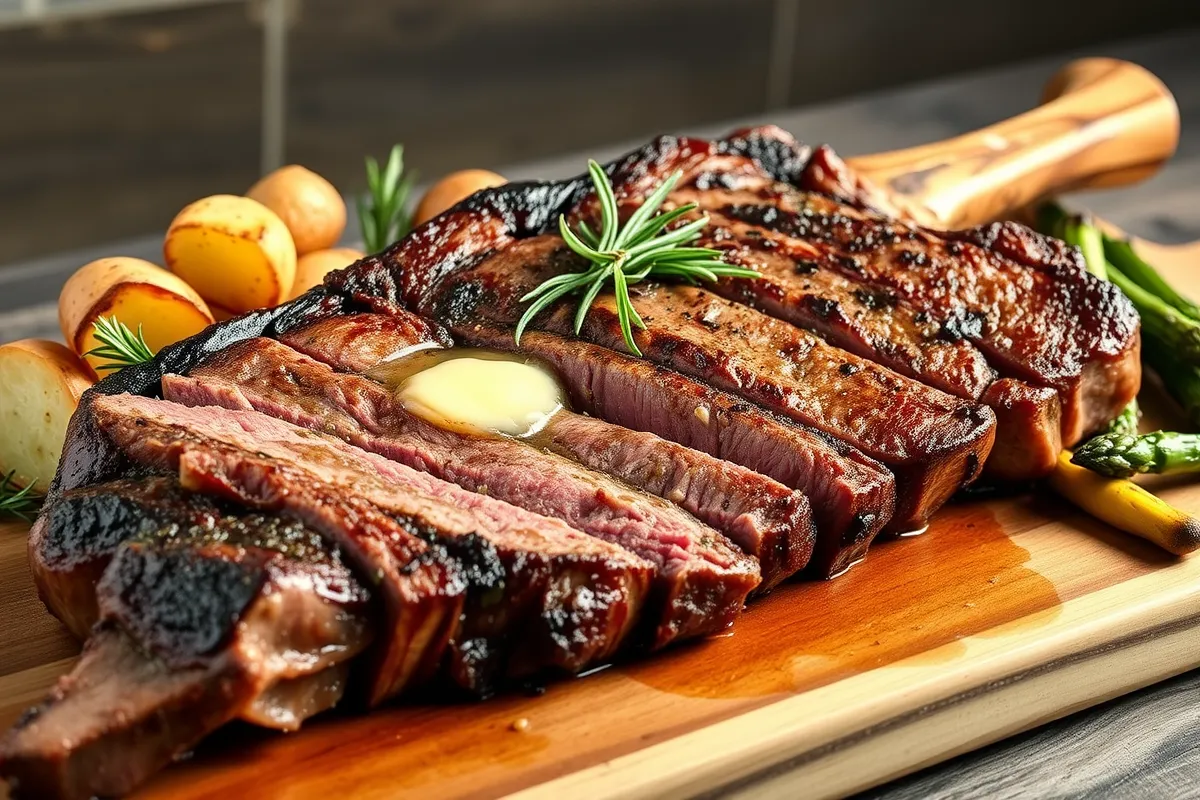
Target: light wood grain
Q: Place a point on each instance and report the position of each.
(1106, 122)
(1007, 613)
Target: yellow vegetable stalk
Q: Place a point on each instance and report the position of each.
(1125, 505)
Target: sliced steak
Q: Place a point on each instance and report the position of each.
(851, 495)
(1024, 300)
(798, 285)
(540, 595)
(766, 519)
(933, 442)
(198, 623)
(421, 593)
(701, 580)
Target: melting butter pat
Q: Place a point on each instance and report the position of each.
(483, 396)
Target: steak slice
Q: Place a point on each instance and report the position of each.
(1024, 300)
(851, 495)
(540, 595)
(797, 286)
(421, 594)
(701, 580)
(363, 340)
(934, 443)
(877, 324)
(199, 624)
(766, 519)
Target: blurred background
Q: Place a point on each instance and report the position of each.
(116, 113)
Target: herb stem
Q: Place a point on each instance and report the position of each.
(644, 247)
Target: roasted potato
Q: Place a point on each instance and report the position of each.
(453, 188)
(40, 385)
(309, 206)
(134, 291)
(234, 251)
(312, 268)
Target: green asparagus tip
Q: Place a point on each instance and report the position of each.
(1116, 455)
(1120, 455)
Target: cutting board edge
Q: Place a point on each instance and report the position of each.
(1149, 631)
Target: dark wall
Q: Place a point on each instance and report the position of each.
(107, 127)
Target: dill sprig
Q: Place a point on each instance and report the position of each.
(18, 501)
(121, 346)
(383, 214)
(630, 253)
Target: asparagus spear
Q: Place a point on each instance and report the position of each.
(1162, 325)
(1119, 455)
(1122, 256)
(1127, 421)
(1079, 231)
(1181, 379)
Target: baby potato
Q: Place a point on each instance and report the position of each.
(40, 386)
(134, 291)
(234, 251)
(312, 268)
(453, 188)
(310, 207)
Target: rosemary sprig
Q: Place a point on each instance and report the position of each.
(383, 213)
(121, 346)
(630, 253)
(18, 501)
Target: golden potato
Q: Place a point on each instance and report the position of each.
(134, 291)
(453, 188)
(40, 386)
(312, 268)
(309, 205)
(234, 251)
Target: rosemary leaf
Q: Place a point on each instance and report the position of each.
(383, 213)
(645, 246)
(119, 345)
(18, 501)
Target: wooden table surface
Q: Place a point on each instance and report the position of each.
(1143, 745)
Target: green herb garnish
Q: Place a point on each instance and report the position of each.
(383, 213)
(121, 346)
(640, 249)
(18, 501)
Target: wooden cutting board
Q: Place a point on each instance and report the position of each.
(1011, 611)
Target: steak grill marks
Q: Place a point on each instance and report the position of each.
(852, 496)
(933, 442)
(764, 518)
(701, 580)
(537, 595)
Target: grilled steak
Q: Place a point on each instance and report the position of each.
(538, 593)
(868, 342)
(933, 442)
(852, 495)
(701, 581)
(1021, 299)
(200, 623)
(761, 516)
